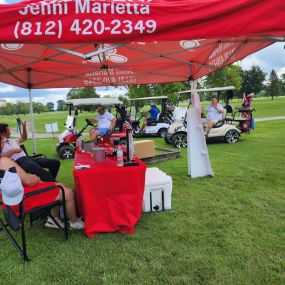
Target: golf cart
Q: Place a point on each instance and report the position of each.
(67, 139)
(153, 128)
(177, 132)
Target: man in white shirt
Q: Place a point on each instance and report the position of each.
(11, 148)
(106, 122)
(215, 114)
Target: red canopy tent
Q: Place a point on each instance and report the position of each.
(72, 43)
(94, 43)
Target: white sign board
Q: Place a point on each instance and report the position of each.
(51, 128)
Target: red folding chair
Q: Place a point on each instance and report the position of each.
(37, 203)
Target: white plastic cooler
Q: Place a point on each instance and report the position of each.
(157, 192)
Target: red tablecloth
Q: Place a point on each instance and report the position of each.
(109, 197)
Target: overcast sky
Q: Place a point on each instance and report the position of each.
(272, 57)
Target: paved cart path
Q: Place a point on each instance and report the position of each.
(269, 119)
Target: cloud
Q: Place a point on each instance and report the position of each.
(58, 90)
(281, 71)
(272, 57)
(3, 2)
(42, 99)
(7, 88)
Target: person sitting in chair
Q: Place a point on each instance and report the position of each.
(106, 122)
(215, 114)
(154, 112)
(29, 180)
(11, 148)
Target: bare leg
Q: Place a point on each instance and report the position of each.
(93, 135)
(27, 179)
(69, 203)
(209, 127)
(144, 124)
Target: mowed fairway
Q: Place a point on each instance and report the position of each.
(223, 230)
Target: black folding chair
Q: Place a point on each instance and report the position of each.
(17, 222)
(32, 156)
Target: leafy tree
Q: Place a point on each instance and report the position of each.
(252, 80)
(228, 76)
(21, 108)
(164, 89)
(124, 100)
(170, 90)
(61, 106)
(84, 92)
(39, 107)
(273, 88)
(282, 83)
(8, 109)
(138, 91)
(50, 106)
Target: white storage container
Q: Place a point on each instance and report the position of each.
(157, 192)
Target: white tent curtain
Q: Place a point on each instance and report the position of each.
(198, 157)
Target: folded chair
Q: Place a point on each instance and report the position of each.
(37, 202)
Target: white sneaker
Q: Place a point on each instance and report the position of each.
(78, 225)
(51, 224)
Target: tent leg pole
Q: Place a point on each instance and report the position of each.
(32, 121)
(193, 89)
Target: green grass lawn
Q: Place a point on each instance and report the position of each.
(223, 230)
(265, 107)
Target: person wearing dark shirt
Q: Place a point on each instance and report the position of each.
(154, 113)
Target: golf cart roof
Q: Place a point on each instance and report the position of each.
(93, 101)
(148, 98)
(216, 89)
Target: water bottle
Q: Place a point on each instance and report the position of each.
(120, 157)
(79, 144)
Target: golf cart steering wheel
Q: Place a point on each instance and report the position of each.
(143, 114)
(89, 122)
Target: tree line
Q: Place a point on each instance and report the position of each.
(21, 108)
(253, 80)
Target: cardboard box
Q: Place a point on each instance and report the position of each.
(144, 148)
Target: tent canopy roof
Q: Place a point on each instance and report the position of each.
(48, 44)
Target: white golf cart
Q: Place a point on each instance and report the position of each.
(177, 132)
(153, 128)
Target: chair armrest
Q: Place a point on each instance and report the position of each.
(43, 190)
(38, 155)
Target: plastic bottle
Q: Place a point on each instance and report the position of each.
(79, 144)
(120, 157)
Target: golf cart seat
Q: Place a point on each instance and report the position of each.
(119, 125)
(117, 128)
(221, 122)
(229, 110)
(152, 123)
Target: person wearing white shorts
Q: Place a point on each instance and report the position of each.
(215, 114)
(106, 122)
